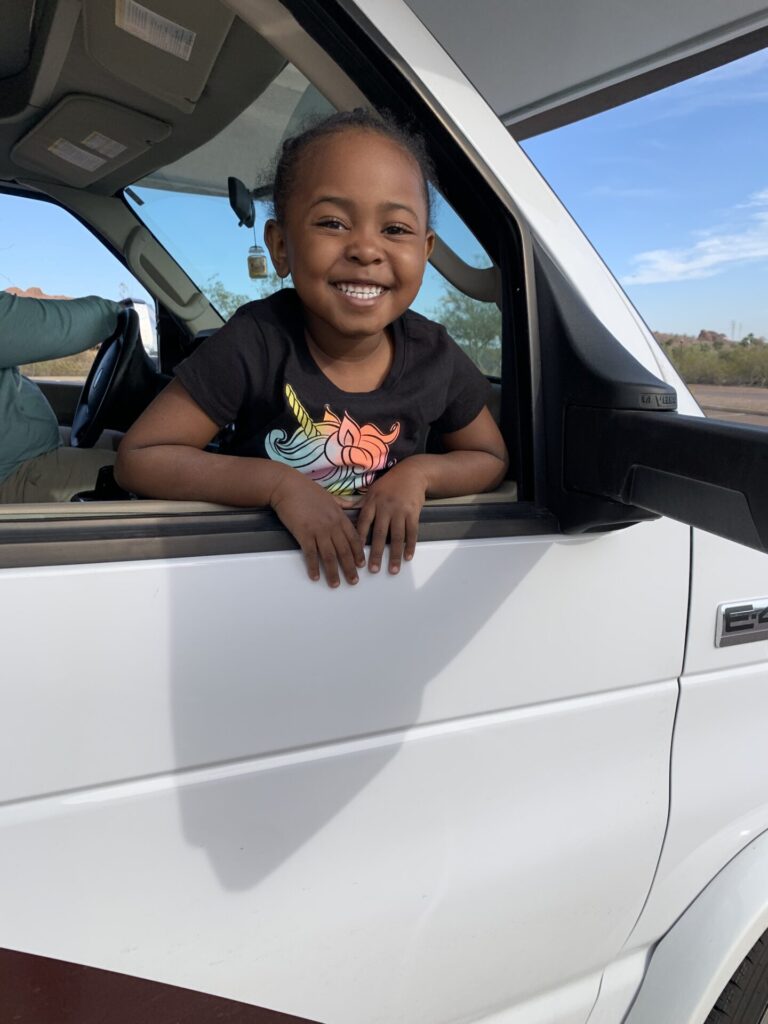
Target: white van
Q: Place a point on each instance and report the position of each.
(523, 782)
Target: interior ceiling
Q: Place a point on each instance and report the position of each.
(539, 65)
(245, 66)
(16, 17)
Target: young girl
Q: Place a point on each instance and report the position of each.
(334, 386)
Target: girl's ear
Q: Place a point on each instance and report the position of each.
(274, 237)
(429, 245)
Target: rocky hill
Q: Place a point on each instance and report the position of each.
(33, 293)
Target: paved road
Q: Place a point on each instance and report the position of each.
(739, 404)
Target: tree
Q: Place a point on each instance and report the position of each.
(227, 302)
(475, 325)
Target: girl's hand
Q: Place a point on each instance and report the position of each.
(392, 504)
(317, 521)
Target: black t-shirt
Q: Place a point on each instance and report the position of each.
(257, 373)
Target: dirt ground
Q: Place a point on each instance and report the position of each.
(740, 404)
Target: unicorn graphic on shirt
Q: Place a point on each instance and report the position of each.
(336, 452)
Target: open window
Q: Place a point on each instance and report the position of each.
(172, 225)
(559, 360)
(186, 206)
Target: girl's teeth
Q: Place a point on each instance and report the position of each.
(361, 291)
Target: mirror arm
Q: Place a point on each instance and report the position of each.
(707, 473)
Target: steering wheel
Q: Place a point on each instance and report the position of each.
(108, 371)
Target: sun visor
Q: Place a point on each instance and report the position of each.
(84, 139)
(165, 47)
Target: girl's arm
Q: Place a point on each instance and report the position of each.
(161, 456)
(476, 460)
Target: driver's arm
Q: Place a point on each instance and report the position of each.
(32, 330)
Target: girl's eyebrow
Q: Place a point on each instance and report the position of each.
(337, 200)
(399, 206)
(348, 204)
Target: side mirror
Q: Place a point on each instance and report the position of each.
(617, 451)
(241, 201)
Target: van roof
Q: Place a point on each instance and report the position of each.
(541, 65)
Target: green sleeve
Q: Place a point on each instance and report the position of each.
(32, 330)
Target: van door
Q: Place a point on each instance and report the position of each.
(447, 788)
(434, 797)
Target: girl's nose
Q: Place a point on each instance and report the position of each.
(363, 247)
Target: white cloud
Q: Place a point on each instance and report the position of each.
(713, 253)
(756, 199)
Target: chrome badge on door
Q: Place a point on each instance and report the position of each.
(741, 622)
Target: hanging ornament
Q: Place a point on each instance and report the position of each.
(257, 262)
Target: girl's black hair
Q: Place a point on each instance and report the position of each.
(286, 170)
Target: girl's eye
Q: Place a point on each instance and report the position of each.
(330, 222)
(397, 229)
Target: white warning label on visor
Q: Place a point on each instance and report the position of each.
(75, 155)
(104, 145)
(154, 29)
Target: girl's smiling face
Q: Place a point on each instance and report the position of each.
(355, 237)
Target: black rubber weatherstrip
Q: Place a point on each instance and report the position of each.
(26, 542)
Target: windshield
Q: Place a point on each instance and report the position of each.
(186, 206)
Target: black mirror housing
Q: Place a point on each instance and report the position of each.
(241, 201)
(617, 452)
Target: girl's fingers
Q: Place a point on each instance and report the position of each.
(310, 557)
(378, 542)
(353, 537)
(396, 543)
(411, 535)
(329, 559)
(342, 547)
(345, 555)
(364, 520)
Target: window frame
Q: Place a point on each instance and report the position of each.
(97, 533)
(40, 197)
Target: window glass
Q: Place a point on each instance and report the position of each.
(475, 325)
(672, 189)
(186, 206)
(47, 253)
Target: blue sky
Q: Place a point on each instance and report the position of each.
(672, 190)
(42, 245)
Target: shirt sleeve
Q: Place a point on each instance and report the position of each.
(467, 392)
(227, 371)
(32, 330)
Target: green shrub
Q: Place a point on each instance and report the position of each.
(725, 364)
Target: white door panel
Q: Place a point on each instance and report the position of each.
(618, 988)
(214, 659)
(720, 757)
(430, 875)
(719, 799)
(723, 572)
(427, 798)
(567, 1005)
